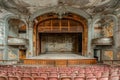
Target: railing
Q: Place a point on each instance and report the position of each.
(103, 41)
(10, 62)
(112, 62)
(17, 41)
(61, 62)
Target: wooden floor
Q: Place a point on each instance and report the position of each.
(59, 59)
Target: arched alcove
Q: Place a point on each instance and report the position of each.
(104, 38)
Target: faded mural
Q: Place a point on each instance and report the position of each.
(104, 28)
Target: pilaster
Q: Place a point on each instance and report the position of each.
(30, 38)
(89, 51)
(6, 31)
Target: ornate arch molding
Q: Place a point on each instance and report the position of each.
(68, 9)
(71, 10)
(10, 16)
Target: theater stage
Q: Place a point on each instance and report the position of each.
(59, 59)
(59, 55)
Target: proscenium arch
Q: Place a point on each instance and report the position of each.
(84, 35)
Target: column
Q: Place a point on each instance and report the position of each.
(2, 29)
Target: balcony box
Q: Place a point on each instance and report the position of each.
(103, 41)
(17, 41)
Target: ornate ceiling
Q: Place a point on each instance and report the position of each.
(27, 7)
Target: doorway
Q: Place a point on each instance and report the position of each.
(97, 54)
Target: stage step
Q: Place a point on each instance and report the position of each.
(61, 62)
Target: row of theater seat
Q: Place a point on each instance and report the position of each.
(94, 72)
(55, 78)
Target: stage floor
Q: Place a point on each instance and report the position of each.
(59, 55)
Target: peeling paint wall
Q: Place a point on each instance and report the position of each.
(1, 33)
(1, 39)
(104, 29)
(13, 53)
(57, 43)
(22, 35)
(108, 55)
(13, 31)
(1, 54)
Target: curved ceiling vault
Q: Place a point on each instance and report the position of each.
(28, 7)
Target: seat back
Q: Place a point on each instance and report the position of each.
(39, 78)
(13, 78)
(26, 78)
(3, 78)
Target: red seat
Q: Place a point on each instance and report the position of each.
(26, 78)
(34, 74)
(39, 78)
(66, 78)
(3, 78)
(52, 78)
(73, 74)
(98, 74)
(18, 74)
(103, 78)
(79, 78)
(63, 74)
(13, 78)
(89, 75)
(92, 78)
(26, 74)
(114, 77)
(11, 74)
(53, 74)
(44, 74)
(81, 75)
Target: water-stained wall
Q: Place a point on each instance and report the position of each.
(104, 28)
(1, 54)
(13, 53)
(58, 43)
